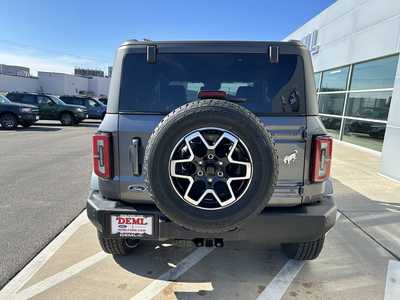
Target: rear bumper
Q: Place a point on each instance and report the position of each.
(284, 225)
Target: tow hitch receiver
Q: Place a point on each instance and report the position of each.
(219, 243)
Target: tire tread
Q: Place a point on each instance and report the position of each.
(113, 246)
(216, 105)
(304, 250)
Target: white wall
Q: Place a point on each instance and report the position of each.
(73, 85)
(350, 31)
(18, 84)
(99, 86)
(62, 84)
(51, 83)
(390, 162)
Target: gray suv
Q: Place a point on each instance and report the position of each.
(207, 142)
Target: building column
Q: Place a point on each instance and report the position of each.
(390, 161)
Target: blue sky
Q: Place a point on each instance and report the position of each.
(59, 35)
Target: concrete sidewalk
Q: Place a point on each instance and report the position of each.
(370, 200)
(359, 170)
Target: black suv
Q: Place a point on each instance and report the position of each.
(51, 107)
(205, 142)
(12, 114)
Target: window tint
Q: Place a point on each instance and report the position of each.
(29, 99)
(92, 103)
(43, 100)
(77, 101)
(374, 74)
(177, 79)
(3, 99)
(331, 104)
(15, 97)
(334, 80)
(374, 105)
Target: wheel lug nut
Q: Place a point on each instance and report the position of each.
(210, 156)
(220, 163)
(200, 163)
(220, 174)
(200, 173)
(209, 179)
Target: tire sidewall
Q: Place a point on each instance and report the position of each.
(69, 122)
(13, 118)
(258, 143)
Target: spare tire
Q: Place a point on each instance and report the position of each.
(210, 166)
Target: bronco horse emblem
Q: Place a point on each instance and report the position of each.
(290, 158)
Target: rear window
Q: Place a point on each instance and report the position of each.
(176, 79)
(23, 98)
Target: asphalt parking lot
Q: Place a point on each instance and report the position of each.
(44, 177)
(359, 260)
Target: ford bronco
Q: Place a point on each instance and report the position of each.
(207, 142)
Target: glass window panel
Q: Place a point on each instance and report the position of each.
(363, 133)
(334, 80)
(266, 87)
(317, 79)
(331, 104)
(332, 125)
(370, 105)
(376, 74)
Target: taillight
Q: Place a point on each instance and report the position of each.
(321, 158)
(212, 94)
(102, 155)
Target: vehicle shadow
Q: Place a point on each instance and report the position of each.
(87, 124)
(239, 270)
(82, 124)
(33, 129)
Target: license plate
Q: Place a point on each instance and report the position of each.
(131, 225)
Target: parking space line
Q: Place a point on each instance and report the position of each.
(61, 276)
(156, 286)
(31, 268)
(281, 282)
(278, 286)
(392, 289)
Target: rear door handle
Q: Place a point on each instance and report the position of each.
(134, 156)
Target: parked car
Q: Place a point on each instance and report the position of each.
(96, 109)
(208, 142)
(103, 100)
(51, 107)
(12, 114)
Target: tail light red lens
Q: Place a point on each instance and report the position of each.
(102, 155)
(321, 158)
(212, 94)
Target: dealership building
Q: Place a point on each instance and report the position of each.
(355, 47)
(83, 82)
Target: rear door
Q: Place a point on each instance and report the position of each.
(48, 109)
(274, 92)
